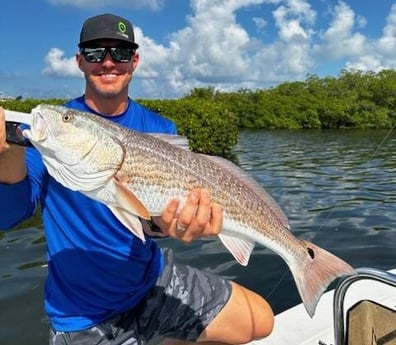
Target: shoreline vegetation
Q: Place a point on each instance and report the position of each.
(211, 119)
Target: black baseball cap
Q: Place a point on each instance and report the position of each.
(107, 26)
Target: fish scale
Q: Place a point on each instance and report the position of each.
(137, 174)
(192, 173)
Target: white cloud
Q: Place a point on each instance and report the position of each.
(365, 63)
(59, 66)
(340, 40)
(214, 49)
(151, 4)
(210, 50)
(381, 53)
(387, 43)
(289, 55)
(290, 28)
(152, 55)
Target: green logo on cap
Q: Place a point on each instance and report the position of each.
(122, 27)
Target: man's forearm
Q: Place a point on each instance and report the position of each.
(12, 165)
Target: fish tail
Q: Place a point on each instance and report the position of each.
(316, 273)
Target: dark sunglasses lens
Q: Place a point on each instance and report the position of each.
(121, 54)
(94, 54)
(98, 54)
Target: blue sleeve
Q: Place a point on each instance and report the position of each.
(172, 129)
(13, 204)
(18, 201)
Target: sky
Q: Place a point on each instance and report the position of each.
(185, 44)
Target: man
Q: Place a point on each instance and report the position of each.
(104, 285)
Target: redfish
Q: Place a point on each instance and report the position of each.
(137, 174)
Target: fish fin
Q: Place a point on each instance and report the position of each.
(130, 221)
(316, 273)
(240, 248)
(173, 139)
(128, 201)
(255, 187)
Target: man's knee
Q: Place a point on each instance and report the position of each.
(245, 317)
(260, 312)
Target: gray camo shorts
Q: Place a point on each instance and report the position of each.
(180, 306)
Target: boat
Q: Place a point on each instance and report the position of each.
(360, 310)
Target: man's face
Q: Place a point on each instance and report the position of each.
(107, 78)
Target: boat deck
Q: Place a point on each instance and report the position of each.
(294, 326)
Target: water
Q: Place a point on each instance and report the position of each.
(336, 187)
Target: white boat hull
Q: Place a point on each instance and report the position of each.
(294, 326)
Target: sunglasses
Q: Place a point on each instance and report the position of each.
(95, 55)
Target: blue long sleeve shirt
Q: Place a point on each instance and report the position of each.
(96, 267)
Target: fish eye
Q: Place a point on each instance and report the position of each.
(67, 117)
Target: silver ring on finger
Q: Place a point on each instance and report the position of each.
(180, 228)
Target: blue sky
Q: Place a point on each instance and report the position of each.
(226, 44)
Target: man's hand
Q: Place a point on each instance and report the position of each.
(12, 157)
(198, 218)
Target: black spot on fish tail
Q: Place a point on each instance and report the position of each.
(314, 274)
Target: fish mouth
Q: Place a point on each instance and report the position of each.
(38, 127)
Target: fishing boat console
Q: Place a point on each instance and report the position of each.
(368, 324)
